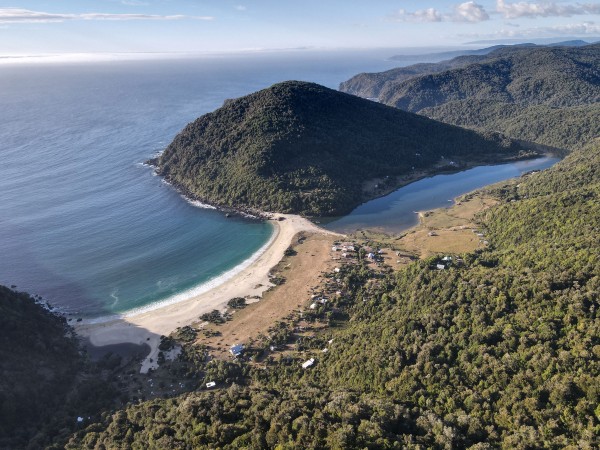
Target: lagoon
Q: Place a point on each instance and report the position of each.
(397, 211)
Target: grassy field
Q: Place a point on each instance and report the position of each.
(443, 230)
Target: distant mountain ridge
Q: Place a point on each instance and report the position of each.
(480, 90)
(302, 148)
(554, 76)
(439, 56)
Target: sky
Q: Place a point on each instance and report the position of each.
(89, 26)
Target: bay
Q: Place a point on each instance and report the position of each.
(83, 222)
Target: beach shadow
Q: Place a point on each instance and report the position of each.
(126, 350)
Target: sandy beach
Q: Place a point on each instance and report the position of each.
(146, 327)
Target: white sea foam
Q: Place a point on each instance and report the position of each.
(198, 204)
(190, 293)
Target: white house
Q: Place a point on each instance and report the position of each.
(308, 363)
(440, 266)
(210, 384)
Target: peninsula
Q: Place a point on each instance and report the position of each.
(302, 148)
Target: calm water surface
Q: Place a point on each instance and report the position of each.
(397, 211)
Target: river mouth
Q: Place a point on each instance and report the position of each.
(398, 211)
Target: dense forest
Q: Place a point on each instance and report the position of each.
(502, 350)
(46, 381)
(302, 148)
(531, 93)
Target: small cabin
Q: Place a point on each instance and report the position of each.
(307, 364)
(440, 266)
(210, 384)
(236, 350)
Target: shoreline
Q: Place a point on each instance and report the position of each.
(146, 327)
(189, 293)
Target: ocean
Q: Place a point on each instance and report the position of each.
(83, 222)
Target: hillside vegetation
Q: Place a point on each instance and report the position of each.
(302, 148)
(45, 383)
(370, 85)
(534, 93)
(564, 128)
(501, 350)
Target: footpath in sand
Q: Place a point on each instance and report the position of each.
(146, 327)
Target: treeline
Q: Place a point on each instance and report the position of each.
(501, 350)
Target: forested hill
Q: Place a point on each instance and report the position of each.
(557, 77)
(370, 85)
(509, 87)
(554, 76)
(302, 148)
(45, 382)
(502, 350)
(38, 365)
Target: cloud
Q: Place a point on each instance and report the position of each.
(544, 9)
(241, 8)
(134, 3)
(469, 12)
(17, 15)
(463, 12)
(421, 15)
(570, 30)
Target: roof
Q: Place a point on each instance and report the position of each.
(308, 363)
(236, 349)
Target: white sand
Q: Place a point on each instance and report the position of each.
(146, 327)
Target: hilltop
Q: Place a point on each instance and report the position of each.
(302, 148)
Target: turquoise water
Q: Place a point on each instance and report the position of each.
(83, 222)
(396, 212)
